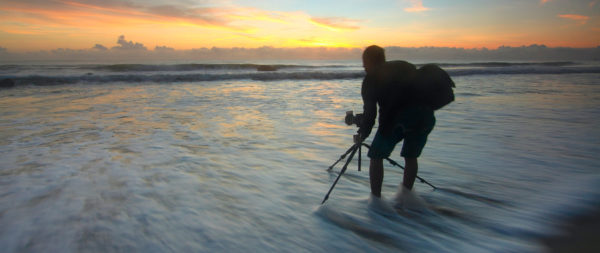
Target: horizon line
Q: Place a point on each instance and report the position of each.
(166, 48)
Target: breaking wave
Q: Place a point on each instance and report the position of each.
(199, 67)
(63, 74)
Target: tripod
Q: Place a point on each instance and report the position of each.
(352, 151)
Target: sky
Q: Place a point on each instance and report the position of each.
(36, 25)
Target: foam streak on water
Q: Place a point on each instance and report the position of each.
(240, 166)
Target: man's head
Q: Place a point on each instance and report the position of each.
(372, 57)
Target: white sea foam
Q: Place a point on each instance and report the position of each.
(241, 165)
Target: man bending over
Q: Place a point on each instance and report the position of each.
(401, 117)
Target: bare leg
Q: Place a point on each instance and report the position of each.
(406, 199)
(376, 176)
(410, 172)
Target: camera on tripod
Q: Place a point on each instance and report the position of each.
(353, 119)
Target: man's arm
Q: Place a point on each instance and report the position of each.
(369, 107)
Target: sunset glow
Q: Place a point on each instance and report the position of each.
(28, 25)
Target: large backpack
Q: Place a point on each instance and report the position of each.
(429, 85)
(433, 86)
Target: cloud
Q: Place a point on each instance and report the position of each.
(503, 53)
(271, 53)
(163, 49)
(418, 54)
(128, 45)
(335, 23)
(416, 6)
(121, 12)
(198, 16)
(99, 47)
(316, 42)
(580, 18)
(544, 1)
(70, 15)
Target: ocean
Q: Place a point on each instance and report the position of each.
(222, 157)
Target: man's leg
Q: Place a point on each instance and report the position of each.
(376, 176)
(381, 147)
(410, 172)
(420, 121)
(405, 198)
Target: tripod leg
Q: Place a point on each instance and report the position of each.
(342, 157)
(359, 155)
(396, 164)
(353, 149)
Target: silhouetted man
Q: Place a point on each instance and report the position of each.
(386, 85)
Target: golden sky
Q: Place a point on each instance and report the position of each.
(30, 25)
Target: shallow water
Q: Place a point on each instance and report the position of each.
(241, 165)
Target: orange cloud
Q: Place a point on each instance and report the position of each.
(544, 1)
(335, 23)
(258, 15)
(314, 42)
(582, 19)
(74, 14)
(416, 6)
(75, 22)
(100, 13)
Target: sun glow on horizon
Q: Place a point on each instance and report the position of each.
(29, 25)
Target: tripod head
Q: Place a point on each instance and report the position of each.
(357, 139)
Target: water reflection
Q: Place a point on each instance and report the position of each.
(241, 165)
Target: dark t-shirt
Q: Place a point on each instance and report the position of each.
(388, 87)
